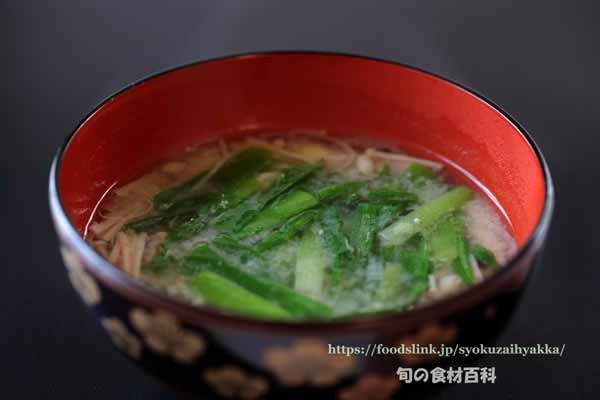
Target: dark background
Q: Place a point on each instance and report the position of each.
(537, 59)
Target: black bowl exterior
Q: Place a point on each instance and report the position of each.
(224, 360)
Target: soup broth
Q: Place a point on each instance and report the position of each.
(300, 226)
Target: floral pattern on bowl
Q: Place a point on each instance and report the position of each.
(233, 382)
(82, 282)
(163, 334)
(122, 337)
(307, 361)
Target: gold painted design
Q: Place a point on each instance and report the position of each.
(122, 337)
(234, 383)
(164, 335)
(307, 361)
(82, 282)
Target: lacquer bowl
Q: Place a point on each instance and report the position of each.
(205, 351)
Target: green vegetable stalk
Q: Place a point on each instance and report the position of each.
(462, 265)
(449, 245)
(278, 212)
(223, 293)
(289, 178)
(333, 192)
(311, 261)
(300, 306)
(484, 256)
(293, 226)
(406, 272)
(424, 217)
(243, 165)
(362, 232)
(335, 241)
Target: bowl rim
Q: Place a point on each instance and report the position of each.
(130, 288)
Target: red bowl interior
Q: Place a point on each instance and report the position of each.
(348, 96)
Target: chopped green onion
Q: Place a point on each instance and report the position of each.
(293, 226)
(338, 190)
(444, 238)
(289, 177)
(484, 255)
(392, 197)
(424, 217)
(236, 252)
(278, 212)
(245, 164)
(311, 262)
(204, 258)
(241, 166)
(418, 172)
(362, 232)
(223, 293)
(165, 199)
(335, 241)
(462, 265)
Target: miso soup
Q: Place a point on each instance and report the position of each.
(300, 226)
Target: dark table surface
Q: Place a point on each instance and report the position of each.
(539, 60)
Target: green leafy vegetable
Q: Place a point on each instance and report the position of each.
(406, 273)
(148, 223)
(461, 263)
(335, 191)
(230, 185)
(289, 177)
(165, 199)
(223, 293)
(484, 255)
(311, 261)
(449, 245)
(400, 286)
(444, 239)
(416, 263)
(204, 258)
(235, 195)
(245, 164)
(271, 238)
(362, 233)
(417, 172)
(234, 251)
(332, 235)
(386, 215)
(293, 226)
(278, 212)
(392, 197)
(425, 216)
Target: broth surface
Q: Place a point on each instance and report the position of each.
(300, 226)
